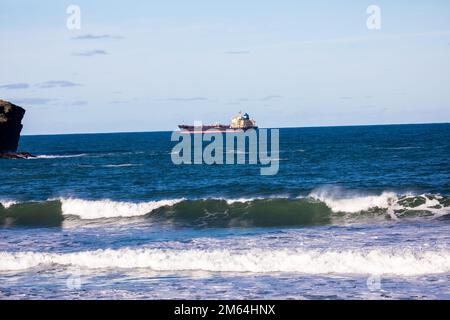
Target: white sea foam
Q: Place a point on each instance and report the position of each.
(56, 156)
(250, 199)
(97, 209)
(355, 203)
(338, 201)
(430, 204)
(7, 203)
(404, 262)
(239, 200)
(121, 165)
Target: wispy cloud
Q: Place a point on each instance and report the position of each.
(15, 86)
(31, 101)
(237, 52)
(368, 106)
(90, 53)
(97, 37)
(78, 103)
(357, 39)
(57, 84)
(189, 99)
(346, 98)
(271, 97)
(118, 101)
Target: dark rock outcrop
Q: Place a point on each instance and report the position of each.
(10, 127)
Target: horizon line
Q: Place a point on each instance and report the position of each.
(289, 127)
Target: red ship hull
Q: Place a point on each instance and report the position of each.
(210, 128)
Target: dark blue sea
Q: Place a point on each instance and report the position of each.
(358, 212)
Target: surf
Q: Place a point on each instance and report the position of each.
(318, 208)
(377, 261)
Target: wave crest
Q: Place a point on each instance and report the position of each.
(393, 204)
(319, 208)
(406, 262)
(100, 209)
(355, 203)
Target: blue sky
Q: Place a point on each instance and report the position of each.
(150, 65)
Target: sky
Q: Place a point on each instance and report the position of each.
(151, 65)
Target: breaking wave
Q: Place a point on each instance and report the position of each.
(320, 207)
(101, 209)
(406, 262)
(393, 204)
(7, 203)
(46, 214)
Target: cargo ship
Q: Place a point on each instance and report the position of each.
(240, 122)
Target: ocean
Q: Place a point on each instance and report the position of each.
(360, 212)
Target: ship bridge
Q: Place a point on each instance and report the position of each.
(243, 121)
